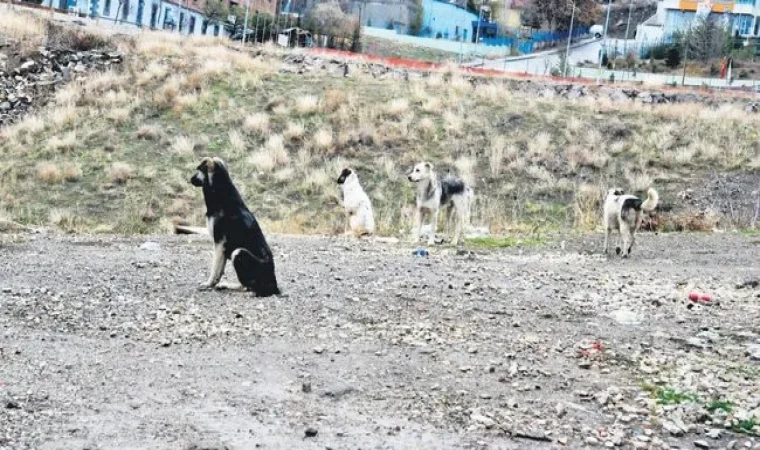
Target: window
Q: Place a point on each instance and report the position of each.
(107, 8)
(743, 24)
(191, 28)
(745, 2)
(125, 11)
(181, 21)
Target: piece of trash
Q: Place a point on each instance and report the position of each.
(149, 245)
(700, 297)
(421, 253)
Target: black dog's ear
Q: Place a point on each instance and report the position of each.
(619, 192)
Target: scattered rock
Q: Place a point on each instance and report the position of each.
(701, 444)
(311, 432)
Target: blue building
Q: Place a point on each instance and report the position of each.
(444, 20)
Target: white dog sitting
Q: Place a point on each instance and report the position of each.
(623, 213)
(359, 215)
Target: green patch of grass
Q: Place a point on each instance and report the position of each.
(747, 372)
(670, 396)
(746, 426)
(722, 405)
(750, 232)
(493, 242)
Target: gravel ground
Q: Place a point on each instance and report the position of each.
(106, 343)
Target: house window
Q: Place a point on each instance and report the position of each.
(107, 8)
(192, 25)
(216, 30)
(743, 24)
(181, 21)
(125, 11)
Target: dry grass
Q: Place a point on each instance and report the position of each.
(283, 139)
(49, 173)
(256, 123)
(323, 139)
(23, 26)
(587, 207)
(295, 131)
(182, 145)
(71, 171)
(307, 104)
(119, 172)
(237, 141)
(271, 155)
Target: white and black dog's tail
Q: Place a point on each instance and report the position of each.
(653, 198)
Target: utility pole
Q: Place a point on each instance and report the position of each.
(569, 39)
(245, 23)
(685, 51)
(604, 41)
(477, 30)
(628, 25)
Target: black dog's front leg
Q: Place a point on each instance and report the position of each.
(217, 267)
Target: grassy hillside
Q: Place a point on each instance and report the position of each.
(114, 151)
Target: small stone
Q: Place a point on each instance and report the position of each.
(584, 364)
(311, 432)
(306, 388)
(753, 351)
(714, 433)
(701, 444)
(319, 350)
(591, 441)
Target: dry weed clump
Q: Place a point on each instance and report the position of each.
(294, 131)
(323, 139)
(119, 172)
(48, 172)
(307, 104)
(149, 132)
(62, 144)
(638, 181)
(586, 207)
(71, 171)
(271, 155)
(237, 141)
(183, 145)
(496, 155)
(23, 27)
(256, 123)
(335, 99)
(706, 220)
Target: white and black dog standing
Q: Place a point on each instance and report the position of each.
(624, 213)
(359, 216)
(434, 194)
(236, 233)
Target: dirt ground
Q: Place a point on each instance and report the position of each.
(106, 343)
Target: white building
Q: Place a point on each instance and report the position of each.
(742, 16)
(159, 14)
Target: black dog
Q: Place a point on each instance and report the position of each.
(236, 233)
